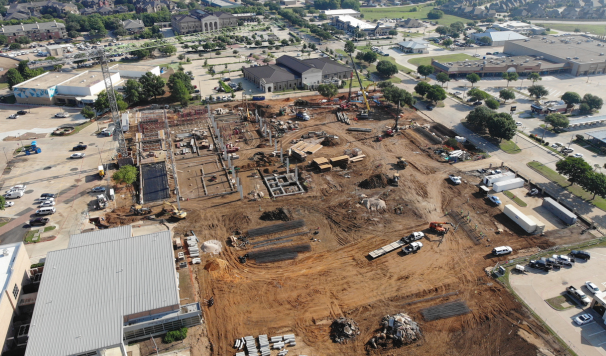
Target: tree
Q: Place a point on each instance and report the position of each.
(180, 77)
(360, 56)
(393, 32)
(473, 78)
(385, 84)
(168, 50)
(510, 77)
(425, 70)
(396, 95)
(594, 102)
(132, 91)
(575, 168)
(442, 30)
(13, 77)
(141, 53)
(328, 90)
(436, 93)
(538, 91)
(502, 126)
(102, 102)
(442, 77)
(422, 88)
(479, 117)
(370, 57)
(151, 86)
(584, 109)
(126, 175)
(447, 42)
(457, 27)
(24, 40)
(435, 14)
(594, 183)
(492, 103)
(571, 98)
(181, 57)
(14, 46)
(179, 92)
(477, 94)
(3, 40)
(485, 40)
(507, 94)
(122, 105)
(387, 68)
(323, 16)
(534, 77)
(557, 120)
(88, 112)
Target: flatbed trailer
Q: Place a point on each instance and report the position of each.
(387, 249)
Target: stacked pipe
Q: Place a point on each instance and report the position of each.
(264, 345)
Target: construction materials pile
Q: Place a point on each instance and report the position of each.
(330, 141)
(273, 215)
(278, 254)
(396, 330)
(374, 204)
(343, 329)
(212, 246)
(379, 180)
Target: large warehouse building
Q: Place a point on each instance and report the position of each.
(584, 56)
(495, 67)
(107, 289)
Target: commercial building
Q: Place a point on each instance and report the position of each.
(221, 3)
(341, 12)
(418, 46)
(154, 6)
(520, 27)
(598, 137)
(23, 11)
(290, 73)
(35, 31)
(74, 88)
(107, 289)
(288, 2)
(202, 21)
(411, 23)
(495, 67)
(581, 55)
(14, 274)
(351, 24)
(498, 37)
(133, 26)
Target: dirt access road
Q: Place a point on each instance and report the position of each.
(336, 278)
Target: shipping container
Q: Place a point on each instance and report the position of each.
(489, 180)
(508, 184)
(540, 225)
(558, 210)
(125, 122)
(525, 223)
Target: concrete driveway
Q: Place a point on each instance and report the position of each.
(537, 286)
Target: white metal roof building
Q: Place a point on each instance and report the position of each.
(499, 37)
(99, 236)
(95, 297)
(342, 12)
(598, 137)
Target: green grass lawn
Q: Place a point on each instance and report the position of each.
(570, 27)
(517, 200)
(509, 147)
(560, 302)
(564, 183)
(3, 223)
(3, 85)
(442, 59)
(372, 13)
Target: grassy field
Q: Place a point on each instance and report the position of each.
(560, 302)
(446, 58)
(517, 200)
(509, 147)
(571, 27)
(564, 183)
(392, 12)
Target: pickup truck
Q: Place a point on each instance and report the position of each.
(456, 180)
(412, 248)
(539, 264)
(577, 293)
(413, 237)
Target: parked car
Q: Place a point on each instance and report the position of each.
(39, 221)
(592, 287)
(13, 116)
(226, 79)
(578, 155)
(21, 112)
(477, 103)
(501, 250)
(518, 123)
(583, 319)
(80, 147)
(583, 255)
(495, 199)
(62, 114)
(48, 196)
(98, 189)
(8, 204)
(430, 107)
(16, 187)
(563, 260)
(77, 155)
(455, 179)
(46, 203)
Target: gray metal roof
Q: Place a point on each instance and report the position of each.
(99, 236)
(599, 135)
(87, 291)
(271, 73)
(328, 66)
(31, 26)
(294, 64)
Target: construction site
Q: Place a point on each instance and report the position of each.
(299, 193)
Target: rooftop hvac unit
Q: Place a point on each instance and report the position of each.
(601, 54)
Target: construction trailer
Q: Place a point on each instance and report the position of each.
(508, 184)
(558, 210)
(490, 180)
(530, 224)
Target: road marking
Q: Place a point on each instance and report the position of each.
(589, 324)
(599, 332)
(601, 343)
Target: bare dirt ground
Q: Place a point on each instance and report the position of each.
(336, 278)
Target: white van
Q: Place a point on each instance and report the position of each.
(501, 250)
(46, 211)
(14, 194)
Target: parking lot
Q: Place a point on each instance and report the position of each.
(536, 286)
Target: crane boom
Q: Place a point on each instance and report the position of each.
(361, 87)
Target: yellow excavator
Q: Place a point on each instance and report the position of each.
(175, 213)
(364, 114)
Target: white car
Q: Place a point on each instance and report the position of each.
(62, 114)
(9, 204)
(583, 319)
(77, 155)
(518, 123)
(578, 155)
(456, 180)
(46, 203)
(18, 187)
(501, 250)
(592, 287)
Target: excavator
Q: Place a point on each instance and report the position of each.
(175, 213)
(439, 228)
(364, 114)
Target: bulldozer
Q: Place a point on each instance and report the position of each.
(402, 163)
(439, 228)
(174, 212)
(139, 210)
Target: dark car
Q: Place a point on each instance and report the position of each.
(471, 100)
(583, 255)
(477, 103)
(39, 221)
(488, 53)
(226, 79)
(80, 147)
(21, 112)
(48, 195)
(430, 107)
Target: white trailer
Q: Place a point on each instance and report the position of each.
(524, 221)
(490, 180)
(508, 184)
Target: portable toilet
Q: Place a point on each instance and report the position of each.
(112, 196)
